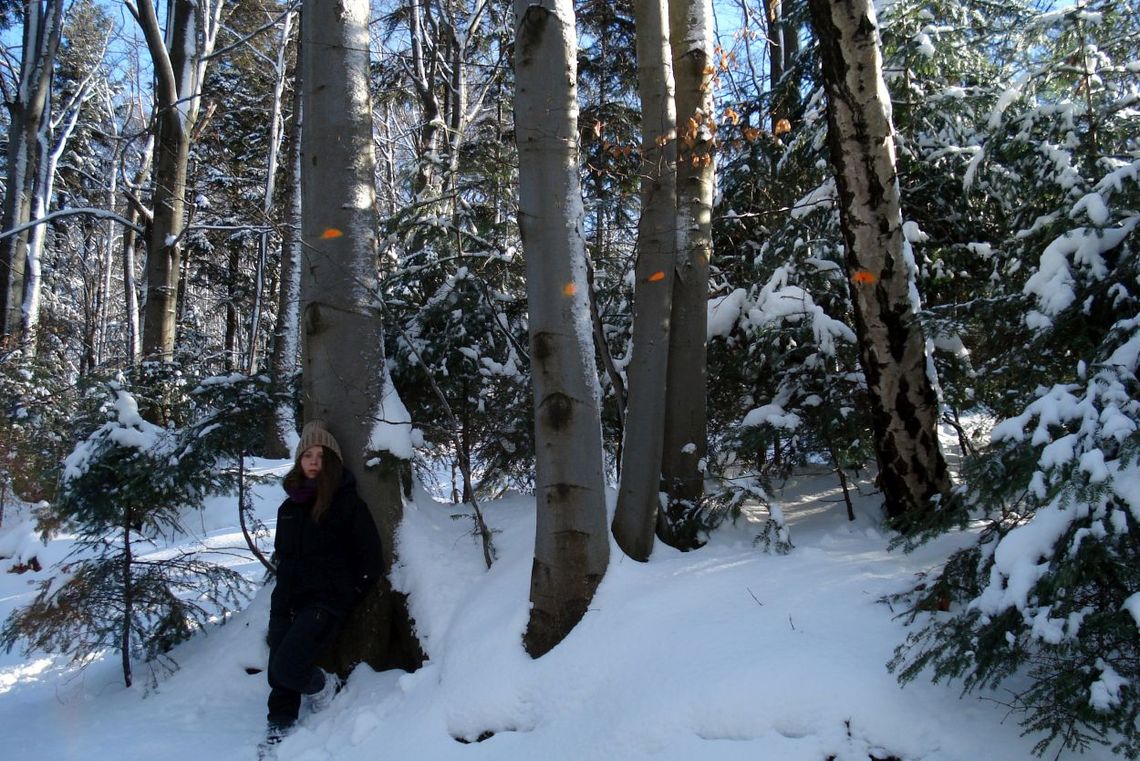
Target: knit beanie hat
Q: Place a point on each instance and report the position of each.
(315, 433)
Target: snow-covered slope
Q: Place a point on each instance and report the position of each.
(721, 654)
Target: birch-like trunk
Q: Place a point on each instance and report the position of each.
(53, 136)
(179, 61)
(571, 549)
(282, 425)
(639, 501)
(43, 24)
(342, 338)
(134, 212)
(274, 146)
(892, 350)
(686, 417)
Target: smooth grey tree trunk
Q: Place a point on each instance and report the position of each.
(912, 472)
(43, 24)
(639, 501)
(571, 549)
(686, 418)
(342, 337)
(179, 60)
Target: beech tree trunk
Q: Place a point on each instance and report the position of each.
(179, 60)
(342, 339)
(571, 549)
(686, 418)
(638, 501)
(912, 472)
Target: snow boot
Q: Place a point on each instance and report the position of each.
(318, 701)
(267, 748)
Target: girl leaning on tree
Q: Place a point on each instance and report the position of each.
(328, 556)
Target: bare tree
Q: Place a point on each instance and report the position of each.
(27, 148)
(179, 59)
(892, 350)
(638, 500)
(276, 127)
(283, 360)
(571, 549)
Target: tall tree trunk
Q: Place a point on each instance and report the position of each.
(426, 65)
(282, 426)
(638, 499)
(230, 350)
(571, 549)
(892, 351)
(179, 68)
(274, 146)
(43, 24)
(54, 133)
(134, 212)
(783, 47)
(128, 600)
(686, 417)
(342, 345)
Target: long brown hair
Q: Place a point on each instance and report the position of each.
(328, 480)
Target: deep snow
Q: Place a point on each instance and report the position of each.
(721, 654)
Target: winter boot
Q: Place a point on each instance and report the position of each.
(274, 734)
(318, 701)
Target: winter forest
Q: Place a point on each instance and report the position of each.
(592, 286)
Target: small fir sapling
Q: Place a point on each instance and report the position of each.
(124, 493)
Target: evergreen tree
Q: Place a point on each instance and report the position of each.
(1050, 590)
(125, 489)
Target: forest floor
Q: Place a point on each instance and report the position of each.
(727, 653)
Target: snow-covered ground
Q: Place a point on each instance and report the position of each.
(721, 654)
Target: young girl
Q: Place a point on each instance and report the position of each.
(328, 556)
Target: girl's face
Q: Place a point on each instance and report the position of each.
(311, 460)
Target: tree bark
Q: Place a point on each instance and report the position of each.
(342, 339)
(686, 418)
(912, 472)
(571, 548)
(638, 501)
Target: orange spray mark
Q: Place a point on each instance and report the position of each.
(569, 289)
(331, 232)
(656, 277)
(863, 277)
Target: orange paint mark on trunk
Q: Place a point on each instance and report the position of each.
(331, 232)
(863, 277)
(656, 277)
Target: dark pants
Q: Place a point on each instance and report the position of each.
(295, 643)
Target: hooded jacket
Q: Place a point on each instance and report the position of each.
(330, 563)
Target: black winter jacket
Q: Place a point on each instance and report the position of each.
(330, 563)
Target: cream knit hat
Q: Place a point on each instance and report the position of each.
(316, 433)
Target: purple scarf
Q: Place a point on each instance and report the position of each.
(303, 493)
